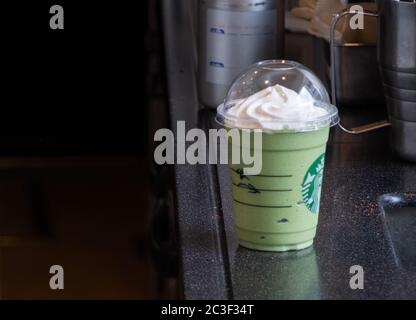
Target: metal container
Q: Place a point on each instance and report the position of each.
(401, 109)
(397, 62)
(403, 139)
(397, 36)
(397, 65)
(404, 80)
(399, 93)
(358, 79)
(234, 34)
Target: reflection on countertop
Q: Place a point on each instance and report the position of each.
(290, 275)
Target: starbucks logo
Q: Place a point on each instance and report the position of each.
(312, 183)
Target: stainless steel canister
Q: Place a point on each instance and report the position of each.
(233, 34)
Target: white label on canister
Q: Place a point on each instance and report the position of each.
(235, 40)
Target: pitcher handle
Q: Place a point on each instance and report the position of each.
(335, 20)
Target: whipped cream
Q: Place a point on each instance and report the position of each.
(274, 108)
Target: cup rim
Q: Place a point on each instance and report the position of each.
(328, 120)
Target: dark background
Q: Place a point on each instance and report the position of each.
(78, 186)
(77, 90)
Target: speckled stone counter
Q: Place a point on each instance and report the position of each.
(351, 231)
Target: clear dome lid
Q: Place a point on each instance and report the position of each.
(277, 95)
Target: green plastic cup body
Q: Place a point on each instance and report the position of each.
(278, 209)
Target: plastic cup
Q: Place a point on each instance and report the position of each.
(277, 210)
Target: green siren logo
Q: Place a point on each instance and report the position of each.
(312, 184)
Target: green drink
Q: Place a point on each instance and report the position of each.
(276, 209)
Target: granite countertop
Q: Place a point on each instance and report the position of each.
(351, 231)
